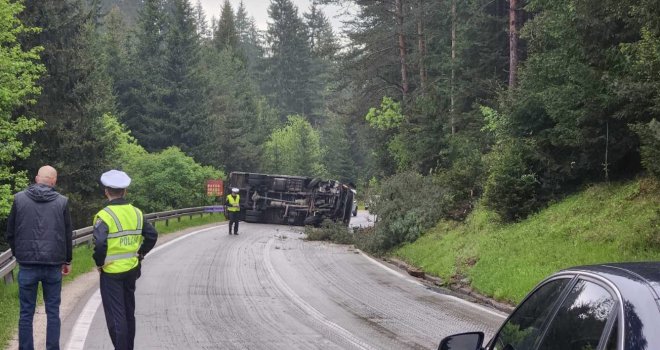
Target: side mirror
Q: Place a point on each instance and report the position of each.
(463, 341)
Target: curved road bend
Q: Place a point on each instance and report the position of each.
(268, 289)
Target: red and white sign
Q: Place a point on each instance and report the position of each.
(215, 188)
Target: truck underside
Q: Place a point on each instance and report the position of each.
(293, 200)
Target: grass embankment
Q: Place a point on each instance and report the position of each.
(604, 223)
(82, 263)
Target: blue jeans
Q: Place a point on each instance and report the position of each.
(29, 277)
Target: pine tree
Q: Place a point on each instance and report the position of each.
(184, 87)
(226, 35)
(337, 158)
(250, 43)
(203, 29)
(323, 43)
(289, 81)
(140, 89)
(76, 94)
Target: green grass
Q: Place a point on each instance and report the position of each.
(82, 263)
(604, 223)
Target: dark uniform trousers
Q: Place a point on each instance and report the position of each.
(118, 295)
(233, 220)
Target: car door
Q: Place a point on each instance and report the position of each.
(524, 328)
(563, 314)
(585, 320)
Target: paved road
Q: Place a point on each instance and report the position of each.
(363, 219)
(269, 289)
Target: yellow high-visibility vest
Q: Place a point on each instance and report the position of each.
(234, 203)
(124, 236)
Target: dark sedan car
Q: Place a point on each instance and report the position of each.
(600, 307)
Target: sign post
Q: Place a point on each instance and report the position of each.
(215, 188)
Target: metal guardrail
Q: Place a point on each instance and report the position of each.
(84, 235)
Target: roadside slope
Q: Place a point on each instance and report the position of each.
(603, 223)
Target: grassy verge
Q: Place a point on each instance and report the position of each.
(604, 223)
(82, 263)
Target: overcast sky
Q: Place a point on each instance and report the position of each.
(259, 10)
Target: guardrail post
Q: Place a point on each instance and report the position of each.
(167, 222)
(9, 278)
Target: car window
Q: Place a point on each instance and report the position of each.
(581, 319)
(524, 327)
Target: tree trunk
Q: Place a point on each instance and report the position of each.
(402, 48)
(453, 65)
(422, 46)
(513, 43)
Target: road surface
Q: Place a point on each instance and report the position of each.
(267, 288)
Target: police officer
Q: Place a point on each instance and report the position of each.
(121, 240)
(233, 208)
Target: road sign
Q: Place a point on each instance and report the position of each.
(215, 188)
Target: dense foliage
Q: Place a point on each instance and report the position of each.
(294, 149)
(19, 70)
(425, 92)
(165, 180)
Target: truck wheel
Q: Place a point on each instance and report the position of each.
(315, 181)
(253, 215)
(313, 220)
(252, 218)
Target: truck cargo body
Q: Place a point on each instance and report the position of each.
(292, 200)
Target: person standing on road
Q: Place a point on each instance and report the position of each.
(39, 234)
(121, 240)
(233, 208)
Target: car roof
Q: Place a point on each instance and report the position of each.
(646, 273)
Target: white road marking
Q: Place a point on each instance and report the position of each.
(84, 322)
(310, 310)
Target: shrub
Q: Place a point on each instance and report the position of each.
(649, 136)
(408, 204)
(512, 189)
(462, 182)
(161, 181)
(330, 231)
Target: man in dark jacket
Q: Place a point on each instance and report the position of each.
(39, 234)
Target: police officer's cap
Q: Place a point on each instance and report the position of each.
(234, 190)
(115, 179)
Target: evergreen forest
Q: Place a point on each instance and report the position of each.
(430, 106)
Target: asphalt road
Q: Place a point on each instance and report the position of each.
(269, 289)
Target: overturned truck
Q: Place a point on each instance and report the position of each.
(293, 200)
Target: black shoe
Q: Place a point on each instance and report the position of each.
(236, 233)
